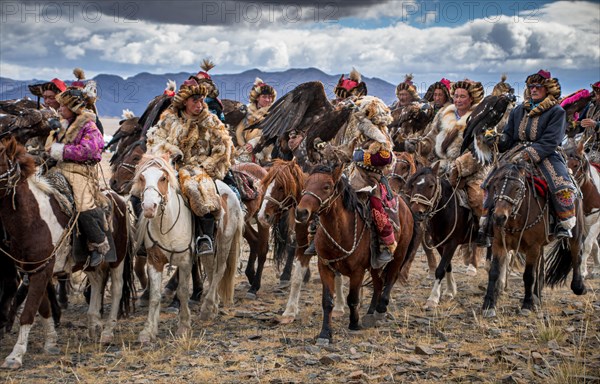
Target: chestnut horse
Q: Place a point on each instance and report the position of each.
(434, 201)
(343, 243)
(520, 223)
(283, 189)
(33, 208)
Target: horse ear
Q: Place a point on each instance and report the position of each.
(580, 148)
(337, 171)
(435, 167)
(11, 147)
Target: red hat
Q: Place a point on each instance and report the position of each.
(55, 85)
(80, 75)
(351, 86)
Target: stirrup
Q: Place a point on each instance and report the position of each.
(204, 246)
(385, 256)
(562, 233)
(311, 250)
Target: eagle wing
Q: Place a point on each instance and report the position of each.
(486, 115)
(297, 110)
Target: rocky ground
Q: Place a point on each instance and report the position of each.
(559, 344)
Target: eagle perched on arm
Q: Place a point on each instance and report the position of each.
(487, 122)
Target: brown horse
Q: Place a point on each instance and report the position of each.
(343, 243)
(33, 208)
(434, 202)
(520, 222)
(404, 166)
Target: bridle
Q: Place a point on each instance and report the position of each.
(432, 202)
(324, 205)
(516, 201)
(10, 178)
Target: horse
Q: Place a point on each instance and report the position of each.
(34, 207)
(434, 202)
(258, 239)
(283, 185)
(520, 223)
(329, 195)
(588, 179)
(166, 231)
(406, 164)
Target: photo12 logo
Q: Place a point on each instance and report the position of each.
(69, 11)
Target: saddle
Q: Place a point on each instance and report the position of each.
(64, 195)
(245, 185)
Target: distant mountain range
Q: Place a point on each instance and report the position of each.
(134, 93)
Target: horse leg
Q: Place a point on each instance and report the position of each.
(529, 276)
(596, 257)
(155, 267)
(116, 277)
(539, 280)
(447, 251)
(286, 274)
(432, 262)
(370, 319)
(251, 237)
(37, 290)
(197, 282)
(95, 279)
(210, 304)
(48, 323)
(327, 280)
(64, 280)
(353, 299)
(291, 308)
(338, 307)
(183, 293)
(451, 290)
(139, 268)
(496, 281)
(472, 258)
(261, 247)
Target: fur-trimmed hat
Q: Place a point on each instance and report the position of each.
(443, 84)
(407, 85)
(261, 88)
(352, 86)
(475, 89)
(204, 78)
(55, 85)
(545, 78)
(596, 87)
(80, 76)
(502, 87)
(78, 99)
(188, 88)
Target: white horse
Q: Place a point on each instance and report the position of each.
(166, 231)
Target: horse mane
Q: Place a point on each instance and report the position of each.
(285, 173)
(153, 161)
(14, 151)
(118, 157)
(349, 196)
(409, 158)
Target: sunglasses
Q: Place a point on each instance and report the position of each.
(538, 86)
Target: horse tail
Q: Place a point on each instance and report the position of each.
(411, 251)
(127, 304)
(280, 236)
(227, 283)
(558, 264)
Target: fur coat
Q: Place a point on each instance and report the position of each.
(79, 141)
(253, 115)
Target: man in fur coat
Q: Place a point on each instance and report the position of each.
(202, 150)
(534, 131)
(262, 96)
(372, 148)
(438, 94)
(589, 122)
(78, 148)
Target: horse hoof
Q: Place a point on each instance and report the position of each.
(322, 342)
(64, 305)
(53, 350)
(431, 275)
(284, 284)
(489, 313)
(183, 331)
(206, 316)
(337, 313)
(11, 364)
(525, 312)
(172, 310)
(193, 303)
(430, 305)
(448, 295)
(471, 270)
(283, 320)
(144, 338)
(250, 296)
(369, 321)
(106, 339)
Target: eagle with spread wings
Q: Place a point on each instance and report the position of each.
(306, 111)
(487, 121)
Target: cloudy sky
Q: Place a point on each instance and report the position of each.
(385, 39)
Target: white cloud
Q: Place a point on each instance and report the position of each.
(73, 52)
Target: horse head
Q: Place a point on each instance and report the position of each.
(283, 187)
(576, 160)
(508, 186)
(404, 165)
(154, 182)
(322, 188)
(15, 164)
(424, 190)
(124, 169)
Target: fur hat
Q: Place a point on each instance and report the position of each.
(352, 86)
(80, 76)
(204, 78)
(261, 88)
(407, 85)
(55, 85)
(443, 84)
(475, 89)
(78, 99)
(502, 87)
(545, 78)
(188, 88)
(596, 87)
